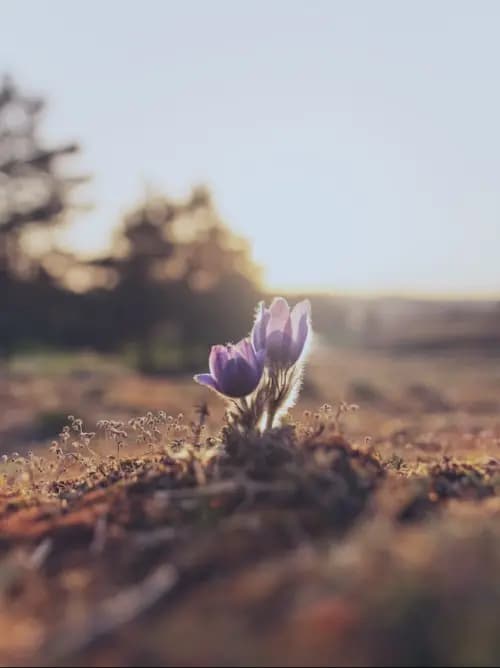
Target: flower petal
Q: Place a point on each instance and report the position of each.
(280, 312)
(208, 380)
(259, 328)
(260, 358)
(299, 310)
(245, 350)
(240, 379)
(279, 331)
(216, 361)
(301, 326)
(278, 348)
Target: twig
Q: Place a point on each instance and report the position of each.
(100, 535)
(111, 614)
(223, 487)
(147, 539)
(40, 554)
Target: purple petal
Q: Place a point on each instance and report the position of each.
(218, 358)
(280, 313)
(300, 309)
(259, 328)
(240, 379)
(279, 332)
(208, 380)
(245, 349)
(279, 344)
(260, 359)
(301, 326)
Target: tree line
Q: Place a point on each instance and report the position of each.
(175, 280)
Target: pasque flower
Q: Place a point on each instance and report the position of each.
(235, 370)
(282, 333)
(261, 375)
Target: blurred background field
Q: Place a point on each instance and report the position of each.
(393, 390)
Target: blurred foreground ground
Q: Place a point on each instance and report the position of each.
(350, 552)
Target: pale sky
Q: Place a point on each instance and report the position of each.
(356, 143)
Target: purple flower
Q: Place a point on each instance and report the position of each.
(235, 370)
(282, 333)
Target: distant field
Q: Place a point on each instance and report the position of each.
(427, 391)
(373, 539)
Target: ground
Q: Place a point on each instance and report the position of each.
(367, 537)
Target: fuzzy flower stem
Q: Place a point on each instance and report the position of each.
(248, 413)
(279, 381)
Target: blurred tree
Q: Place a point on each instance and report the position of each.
(33, 193)
(34, 198)
(176, 280)
(176, 273)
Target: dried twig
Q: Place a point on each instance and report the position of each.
(111, 614)
(40, 554)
